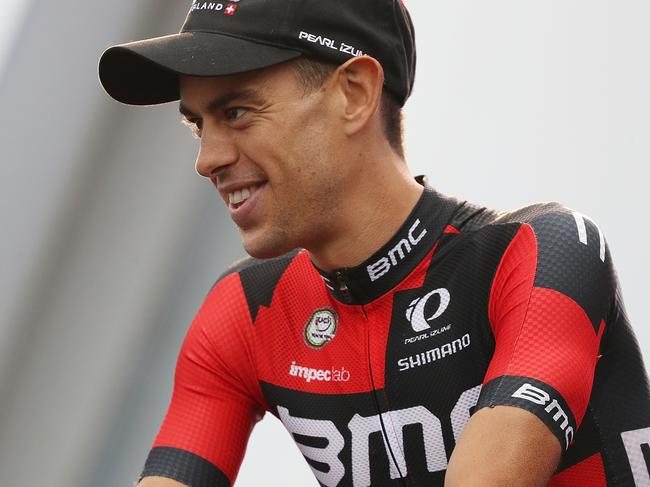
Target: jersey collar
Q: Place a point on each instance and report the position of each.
(399, 256)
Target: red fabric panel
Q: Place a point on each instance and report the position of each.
(216, 399)
(540, 333)
(451, 229)
(557, 345)
(588, 473)
(279, 333)
(280, 340)
(509, 298)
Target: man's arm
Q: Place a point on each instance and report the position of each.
(548, 304)
(216, 399)
(503, 446)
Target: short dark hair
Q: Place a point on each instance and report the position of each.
(312, 74)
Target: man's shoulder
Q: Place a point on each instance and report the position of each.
(546, 218)
(559, 231)
(532, 212)
(473, 217)
(262, 267)
(258, 278)
(559, 228)
(571, 255)
(561, 235)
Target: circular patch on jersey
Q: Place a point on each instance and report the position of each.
(321, 328)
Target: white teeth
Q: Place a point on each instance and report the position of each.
(241, 195)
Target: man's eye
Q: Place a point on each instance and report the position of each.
(234, 113)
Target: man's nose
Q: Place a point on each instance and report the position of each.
(217, 150)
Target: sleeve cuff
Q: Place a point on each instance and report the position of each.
(184, 467)
(536, 397)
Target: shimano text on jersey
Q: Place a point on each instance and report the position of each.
(434, 354)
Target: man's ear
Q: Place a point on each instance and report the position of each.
(360, 82)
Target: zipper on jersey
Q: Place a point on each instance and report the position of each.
(375, 395)
(343, 287)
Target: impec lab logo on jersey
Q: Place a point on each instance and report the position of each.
(321, 328)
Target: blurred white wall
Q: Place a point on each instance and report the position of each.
(107, 251)
(111, 240)
(11, 20)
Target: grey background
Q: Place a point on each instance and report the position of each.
(110, 240)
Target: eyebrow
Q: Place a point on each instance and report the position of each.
(220, 102)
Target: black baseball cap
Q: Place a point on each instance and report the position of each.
(237, 36)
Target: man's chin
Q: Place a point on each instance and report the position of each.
(260, 247)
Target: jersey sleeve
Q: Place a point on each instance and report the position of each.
(548, 310)
(216, 399)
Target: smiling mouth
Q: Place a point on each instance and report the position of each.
(237, 198)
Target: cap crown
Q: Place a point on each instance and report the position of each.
(328, 30)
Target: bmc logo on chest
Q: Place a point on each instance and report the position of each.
(397, 253)
(362, 427)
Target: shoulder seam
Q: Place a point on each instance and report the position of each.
(248, 262)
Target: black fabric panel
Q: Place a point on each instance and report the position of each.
(587, 443)
(238, 266)
(472, 217)
(259, 281)
(259, 278)
(502, 392)
(645, 449)
(569, 266)
(529, 213)
(464, 265)
(620, 397)
(247, 262)
(184, 467)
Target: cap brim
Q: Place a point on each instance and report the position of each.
(147, 72)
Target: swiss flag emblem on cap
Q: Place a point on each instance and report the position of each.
(230, 9)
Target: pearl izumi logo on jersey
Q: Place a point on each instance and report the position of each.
(427, 334)
(415, 313)
(397, 253)
(320, 375)
(321, 328)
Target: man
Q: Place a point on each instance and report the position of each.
(403, 337)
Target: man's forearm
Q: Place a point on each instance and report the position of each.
(503, 446)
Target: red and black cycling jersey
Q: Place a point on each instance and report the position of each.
(375, 370)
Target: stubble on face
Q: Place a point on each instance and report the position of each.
(308, 192)
(291, 142)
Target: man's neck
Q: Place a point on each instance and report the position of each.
(371, 214)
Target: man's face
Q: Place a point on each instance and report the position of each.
(273, 154)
